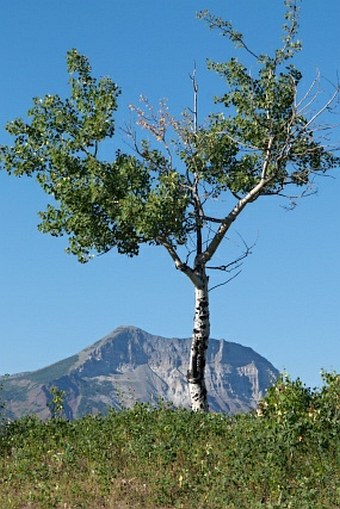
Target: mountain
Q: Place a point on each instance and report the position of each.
(130, 365)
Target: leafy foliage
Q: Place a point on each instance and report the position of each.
(56, 404)
(264, 144)
(101, 204)
(2, 406)
(286, 455)
(275, 140)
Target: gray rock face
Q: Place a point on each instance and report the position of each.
(130, 365)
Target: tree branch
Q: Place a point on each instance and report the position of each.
(235, 264)
(183, 267)
(225, 282)
(212, 219)
(230, 218)
(324, 108)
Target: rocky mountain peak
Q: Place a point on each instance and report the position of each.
(130, 365)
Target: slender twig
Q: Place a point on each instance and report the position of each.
(212, 219)
(234, 264)
(225, 282)
(307, 96)
(193, 78)
(324, 108)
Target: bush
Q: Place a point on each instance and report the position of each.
(286, 455)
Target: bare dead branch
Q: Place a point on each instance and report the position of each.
(237, 262)
(325, 107)
(212, 219)
(225, 282)
(293, 200)
(193, 78)
(156, 123)
(308, 97)
(267, 158)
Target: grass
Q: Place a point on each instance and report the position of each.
(286, 456)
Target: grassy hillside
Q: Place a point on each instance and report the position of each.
(285, 455)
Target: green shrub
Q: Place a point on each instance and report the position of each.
(286, 455)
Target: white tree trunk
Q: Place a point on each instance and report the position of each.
(199, 346)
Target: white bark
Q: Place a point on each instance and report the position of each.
(199, 346)
(233, 214)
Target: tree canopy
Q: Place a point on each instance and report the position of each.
(261, 143)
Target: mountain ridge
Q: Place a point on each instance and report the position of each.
(129, 365)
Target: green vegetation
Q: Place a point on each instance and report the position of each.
(2, 404)
(285, 455)
(57, 370)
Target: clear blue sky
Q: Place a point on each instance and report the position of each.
(286, 302)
